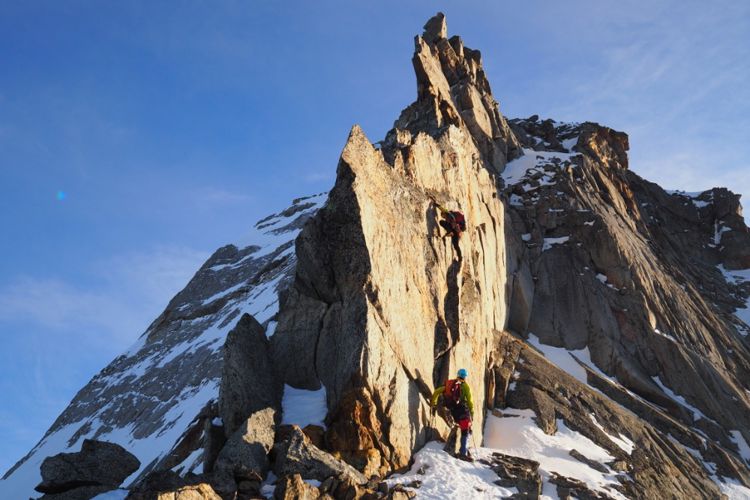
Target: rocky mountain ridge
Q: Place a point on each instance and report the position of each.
(588, 300)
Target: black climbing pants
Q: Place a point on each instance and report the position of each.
(454, 237)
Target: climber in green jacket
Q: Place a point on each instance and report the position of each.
(457, 398)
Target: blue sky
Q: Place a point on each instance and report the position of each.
(172, 128)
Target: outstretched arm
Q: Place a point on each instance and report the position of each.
(442, 209)
(436, 395)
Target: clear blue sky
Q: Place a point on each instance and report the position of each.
(137, 137)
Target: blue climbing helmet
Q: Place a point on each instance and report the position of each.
(462, 373)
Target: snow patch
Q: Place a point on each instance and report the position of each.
(269, 234)
(570, 143)
(738, 278)
(518, 435)
(518, 169)
(739, 440)
(271, 329)
(665, 335)
(303, 407)
(269, 485)
(447, 478)
(621, 441)
(223, 293)
(562, 358)
(697, 414)
(550, 242)
(21, 483)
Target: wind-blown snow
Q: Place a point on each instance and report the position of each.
(697, 414)
(621, 441)
(562, 358)
(550, 242)
(518, 434)
(266, 234)
(447, 478)
(737, 278)
(739, 440)
(303, 407)
(518, 169)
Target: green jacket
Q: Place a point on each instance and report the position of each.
(442, 209)
(465, 397)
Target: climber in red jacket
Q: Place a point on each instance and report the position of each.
(454, 224)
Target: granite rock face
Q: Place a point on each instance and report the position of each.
(381, 310)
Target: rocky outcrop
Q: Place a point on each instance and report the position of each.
(98, 467)
(627, 270)
(248, 383)
(517, 473)
(566, 250)
(245, 455)
(296, 455)
(452, 89)
(200, 491)
(294, 488)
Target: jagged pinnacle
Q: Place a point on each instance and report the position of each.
(435, 29)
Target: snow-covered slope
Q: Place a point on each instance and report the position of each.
(148, 398)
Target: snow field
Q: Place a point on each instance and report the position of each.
(517, 434)
(447, 478)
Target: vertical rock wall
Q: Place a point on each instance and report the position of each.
(382, 311)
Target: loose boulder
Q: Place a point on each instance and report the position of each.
(245, 456)
(294, 488)
(99, 466)
(200, 491)
(297, 455)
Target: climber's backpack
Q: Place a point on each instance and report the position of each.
(452, 393)
(452, 399)
(459, 220)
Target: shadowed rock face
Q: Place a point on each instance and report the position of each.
(636, 281)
